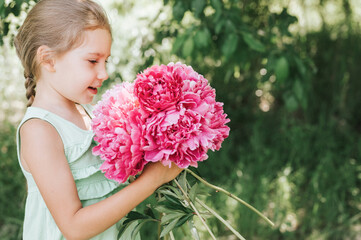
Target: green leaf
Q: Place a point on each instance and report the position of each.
(163, 209)
(182, 180)
(281, 69)
(172, 200)
(202, 38)
(291, 103)
(6, 28)
(2, 10)
(230, 26)
(178, 43)
(137, 229)
(216, 4)
(193, 230)
(130, 230)
(126, 230)
(133, 215)
(169, 227)
(184, 219)
(174, 204)
(230, 45)
(178, 10)
(171, 188)
(198, 6)
(219, 26)
(149, 212)
(253, 43)
(188, 47)
(169, 217)
(16, 8)
(128, 221)
(193, 192)
(229, 73)
(300, 66)
(170, 193)
(298, 89)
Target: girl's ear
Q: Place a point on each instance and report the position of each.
(45, 57)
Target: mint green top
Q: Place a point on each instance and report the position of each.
(91, 184)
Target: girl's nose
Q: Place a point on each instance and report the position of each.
(102, 73)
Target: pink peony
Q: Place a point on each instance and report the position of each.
(201, 97)
(175, 136)
(195, 124)
(118, 127)
(158, 88)
(170, 115)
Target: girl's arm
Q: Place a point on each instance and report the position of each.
(42, 153)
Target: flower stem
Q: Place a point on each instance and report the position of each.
(231, 195)
(220, 219)
(195, 209)
(159, 230)
(171, 235)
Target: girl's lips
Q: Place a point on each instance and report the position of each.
(93, 90)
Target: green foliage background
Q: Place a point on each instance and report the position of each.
(288, 74)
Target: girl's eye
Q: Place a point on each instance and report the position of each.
(93, 61)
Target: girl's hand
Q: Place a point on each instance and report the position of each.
(160, 174)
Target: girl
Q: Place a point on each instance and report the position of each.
(64, 46)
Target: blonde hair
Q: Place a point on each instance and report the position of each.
(59, 25)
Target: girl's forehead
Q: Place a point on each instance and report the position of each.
(97, 42)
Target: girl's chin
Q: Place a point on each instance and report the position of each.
(87, 100)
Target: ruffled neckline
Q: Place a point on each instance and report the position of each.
(65, 120)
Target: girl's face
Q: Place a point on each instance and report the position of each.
(82, 70)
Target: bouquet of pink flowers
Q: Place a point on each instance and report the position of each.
(169, 114)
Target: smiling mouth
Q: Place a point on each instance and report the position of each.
(93, 90)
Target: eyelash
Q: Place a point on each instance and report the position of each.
(95, 61)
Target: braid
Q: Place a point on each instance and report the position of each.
(30, 86)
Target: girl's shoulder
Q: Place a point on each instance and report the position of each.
(38, 138)
(37, 128)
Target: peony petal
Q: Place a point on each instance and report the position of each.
(153, 156)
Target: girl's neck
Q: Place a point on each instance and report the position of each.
(61, 108)
(68, 110)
